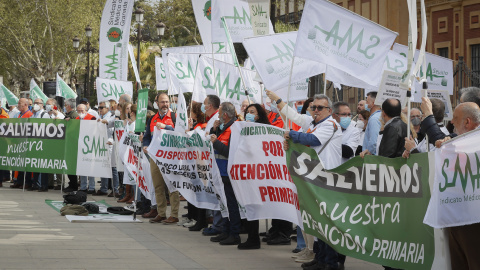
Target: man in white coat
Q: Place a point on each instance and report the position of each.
(351, 134)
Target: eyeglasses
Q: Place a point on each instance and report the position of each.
(101, 107)
(345, 114)
(320, 108)
(39, 103)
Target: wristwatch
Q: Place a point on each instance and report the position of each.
(278, 101)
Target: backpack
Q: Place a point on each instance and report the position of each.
(91, 208)
(73, 209)
(119, 210)
(78, 197)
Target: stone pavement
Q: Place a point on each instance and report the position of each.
(34, 236)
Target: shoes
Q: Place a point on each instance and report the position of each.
(16, 186)
(210, 231)
(197, 227)
(183, 221)
(32, 188)
(318, 266)
(158, 219)
(310, 263)
(99, 193)
(113, 194)
(70, 189)
(269, 237)
(306, 257)
(219, 237)
(248, 245)
(182, 199)
(230, 240)
(280, 240)
(130, 207)
(57, 187)
(91, 191)
(298, 253)
(190, 224)
(43, 190)
(170, 220)
(153, 213)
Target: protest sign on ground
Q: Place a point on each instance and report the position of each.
(75, 147)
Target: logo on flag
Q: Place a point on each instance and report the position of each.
(207, 11)
(114, 34)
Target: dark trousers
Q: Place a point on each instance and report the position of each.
(281, 227)
(27, 176)
(325, 254)
(41, 180)
(252, 227)
(233, 222)
(463, 242)
(73, 181)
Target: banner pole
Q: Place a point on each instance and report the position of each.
(24, 175)
(286, 126)
(136, 191)
(62, 183)
(325, 83)
(214, 72)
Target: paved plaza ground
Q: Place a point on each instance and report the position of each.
(34, 236)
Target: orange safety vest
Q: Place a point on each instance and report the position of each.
(88, 117)
(167, 120)
(3, 113)
(275, 119)
(27, 114)
(202, 125)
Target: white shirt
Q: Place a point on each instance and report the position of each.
(13, 113)
(39, 114)
(352, 138)
(58, 116)
(210, 122)
(93, 112)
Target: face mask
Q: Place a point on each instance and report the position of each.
(82, 115)
(360, 124)
(203, 108)
(345, 122)
(48, 108)
(117, 113)
(308, 113)
(36, 107)
(173, 106)
(64, 110)
(250, 117)
(222, 125)
(30, 107)
(155, 106)
(366, 107)
(222, 121)
(416, 121)
(299, 108)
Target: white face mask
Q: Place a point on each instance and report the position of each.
(360, 124)
(36, 107)
(117, 113)
(82, 115)
(155, 105)
(49, 108)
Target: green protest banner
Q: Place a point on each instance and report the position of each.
(370, 209)
(75, 147)
(141, 110)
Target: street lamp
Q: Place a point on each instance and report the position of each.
(160, 29)
(139, 19)
(88, 49)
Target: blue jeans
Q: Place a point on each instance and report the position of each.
(41, 180)
(233, 222)
(104, 181)
(217, 221)
(300, 241)
(83, 183)
(325, 254)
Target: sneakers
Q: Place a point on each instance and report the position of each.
(230, 240)
(189, 224)
(210, 231)
(219, 237)
(130, 207)
(170, 220)
(298, 254)
(306, 257)
(184, 220)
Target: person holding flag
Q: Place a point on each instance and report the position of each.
(210, 109)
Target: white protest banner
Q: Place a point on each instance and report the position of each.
(343, 40)
(272, 56)
(145, 183)
(439, 72)
(248, 63)
(112, 89)
(203, 15)
(455, 199)
(182, 68)
(298, 91)
(114, 35)
(227, 82)
(181, 124)
(237, 17)
(188, 164)
(63, 90)
(260, 16)
(134, 66)
(185, 49)
(36, 92)
(445, 98)
(258, 171)
(118, 134)
(130, 146)
(93, 155)
(160, 75)
(391, 87)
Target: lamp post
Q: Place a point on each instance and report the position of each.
(139, 19)
(88, 49)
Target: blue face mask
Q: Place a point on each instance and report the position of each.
(221, 126)
(64, 110)
(30, 108)
(173, 106)
(366, 107)
(308, 113)
(345, 122)
(299, 108)
(250, 117)
(203, 108)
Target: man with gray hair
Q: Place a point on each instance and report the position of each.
(470, 94)
(221, 144)
(124, 98)
(350, 133)
(52, 108)
(324, 135)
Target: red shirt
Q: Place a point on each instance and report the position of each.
(3, 113)
(208, 118)
(167, 120)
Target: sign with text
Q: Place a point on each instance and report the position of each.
(391, 87)
(112, 89)
(445, 98)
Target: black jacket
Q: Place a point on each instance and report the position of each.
(392, 144)
(430, 127)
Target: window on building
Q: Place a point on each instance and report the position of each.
(475, 52)
(281, 18)
(443, 52)
(300, 13)
(291, 18)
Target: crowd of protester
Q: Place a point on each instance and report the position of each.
(331, 129)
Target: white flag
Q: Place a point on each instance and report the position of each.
(181, 124)
(36, 92)
(112, 89)
(344, 40)
(260, 16)
(185, 49)
(203, 15)
(134, 65)
(272, 56)
(114, 35)
(298, 91)
(160, 75)
(237, 16)
(182, 68)
(63, 90)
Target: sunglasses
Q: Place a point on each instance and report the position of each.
(320, 108)
(101, 107)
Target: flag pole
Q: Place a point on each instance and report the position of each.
(288, 93)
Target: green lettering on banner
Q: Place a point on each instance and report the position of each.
(360, 207)
(190, 72)
(464, 172)
(163, 71)
(236, 16)
(141, 110)
(111, 90)
(113, 65)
